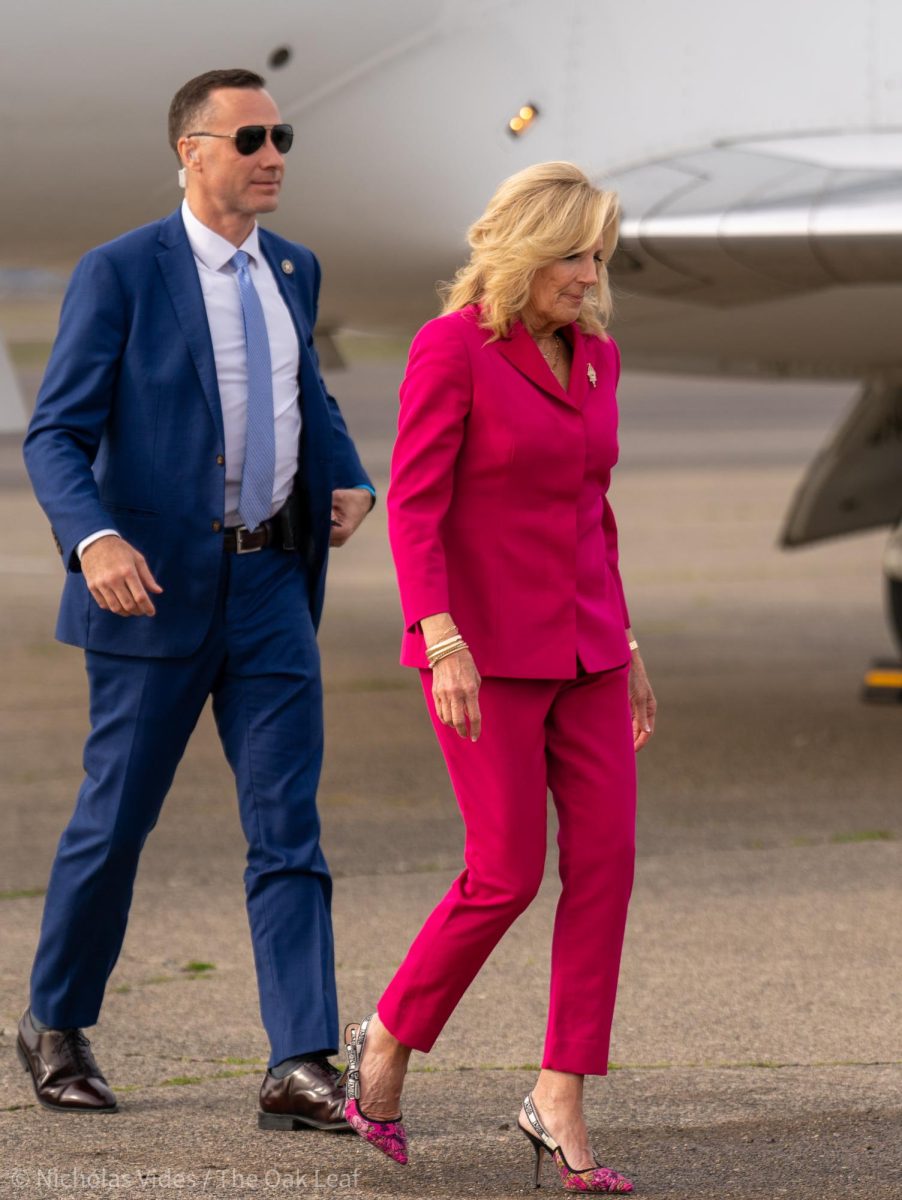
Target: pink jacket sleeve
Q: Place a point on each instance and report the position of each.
(609, 525)
(436, 396)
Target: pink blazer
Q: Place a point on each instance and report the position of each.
(497, 505)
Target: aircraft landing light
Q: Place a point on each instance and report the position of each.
(883, 683)
(524, 119)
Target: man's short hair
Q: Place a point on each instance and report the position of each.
(190, 101)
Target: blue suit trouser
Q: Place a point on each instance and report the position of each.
(260, 663)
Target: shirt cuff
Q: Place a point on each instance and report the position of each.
(94, 537)
(365, 487)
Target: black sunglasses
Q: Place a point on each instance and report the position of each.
(249, 138)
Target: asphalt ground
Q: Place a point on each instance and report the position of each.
(757, 1048)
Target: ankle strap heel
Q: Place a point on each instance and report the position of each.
(388, 1136)
(596, 1179)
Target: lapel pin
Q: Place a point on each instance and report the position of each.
(287, 266)
(593, 378)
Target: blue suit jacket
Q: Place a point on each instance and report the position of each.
(128, 428)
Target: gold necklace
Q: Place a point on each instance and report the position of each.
(554, 358)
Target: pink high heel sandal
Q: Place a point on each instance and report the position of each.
(388, 1136)
(593, 1179)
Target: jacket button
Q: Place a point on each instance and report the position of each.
(216, 526)
(220, 460)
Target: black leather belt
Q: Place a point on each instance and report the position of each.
(238, 539)
(283, 530)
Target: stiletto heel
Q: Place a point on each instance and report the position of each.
(594, 1179)
(539, 1148)
(388, 1136)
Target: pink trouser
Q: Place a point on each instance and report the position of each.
(573, 737)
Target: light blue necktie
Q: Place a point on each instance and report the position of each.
(258, 474)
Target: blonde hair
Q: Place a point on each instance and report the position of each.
(541, 214)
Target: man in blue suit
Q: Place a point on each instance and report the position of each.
(195, 471)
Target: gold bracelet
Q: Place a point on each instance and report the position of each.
(437, 658)
(435, 661)
(452, 644)
(445, 642)
(451, 631)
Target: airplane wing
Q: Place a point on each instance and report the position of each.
(741, 223)
(737, 234)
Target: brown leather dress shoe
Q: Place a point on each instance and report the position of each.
(65, 1076)
(312, 1096)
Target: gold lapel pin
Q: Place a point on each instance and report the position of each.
(593, 378)
(287, 266)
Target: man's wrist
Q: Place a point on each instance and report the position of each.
(94, 537)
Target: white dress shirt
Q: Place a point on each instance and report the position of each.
(219, 284)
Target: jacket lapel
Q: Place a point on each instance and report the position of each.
(283, 278)
(183, 284)
(520, 350)
(286, 284)
(579, 367)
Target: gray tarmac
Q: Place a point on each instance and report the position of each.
(757, 1045)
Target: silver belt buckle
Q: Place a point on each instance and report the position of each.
(240, 548)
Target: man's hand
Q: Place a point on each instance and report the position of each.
(119, 578)
(349, 507)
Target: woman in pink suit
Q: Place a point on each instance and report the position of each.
(506, 554)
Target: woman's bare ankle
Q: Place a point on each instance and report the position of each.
(559, 1092)
(385, 1043)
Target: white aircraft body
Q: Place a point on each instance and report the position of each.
(757, 150)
